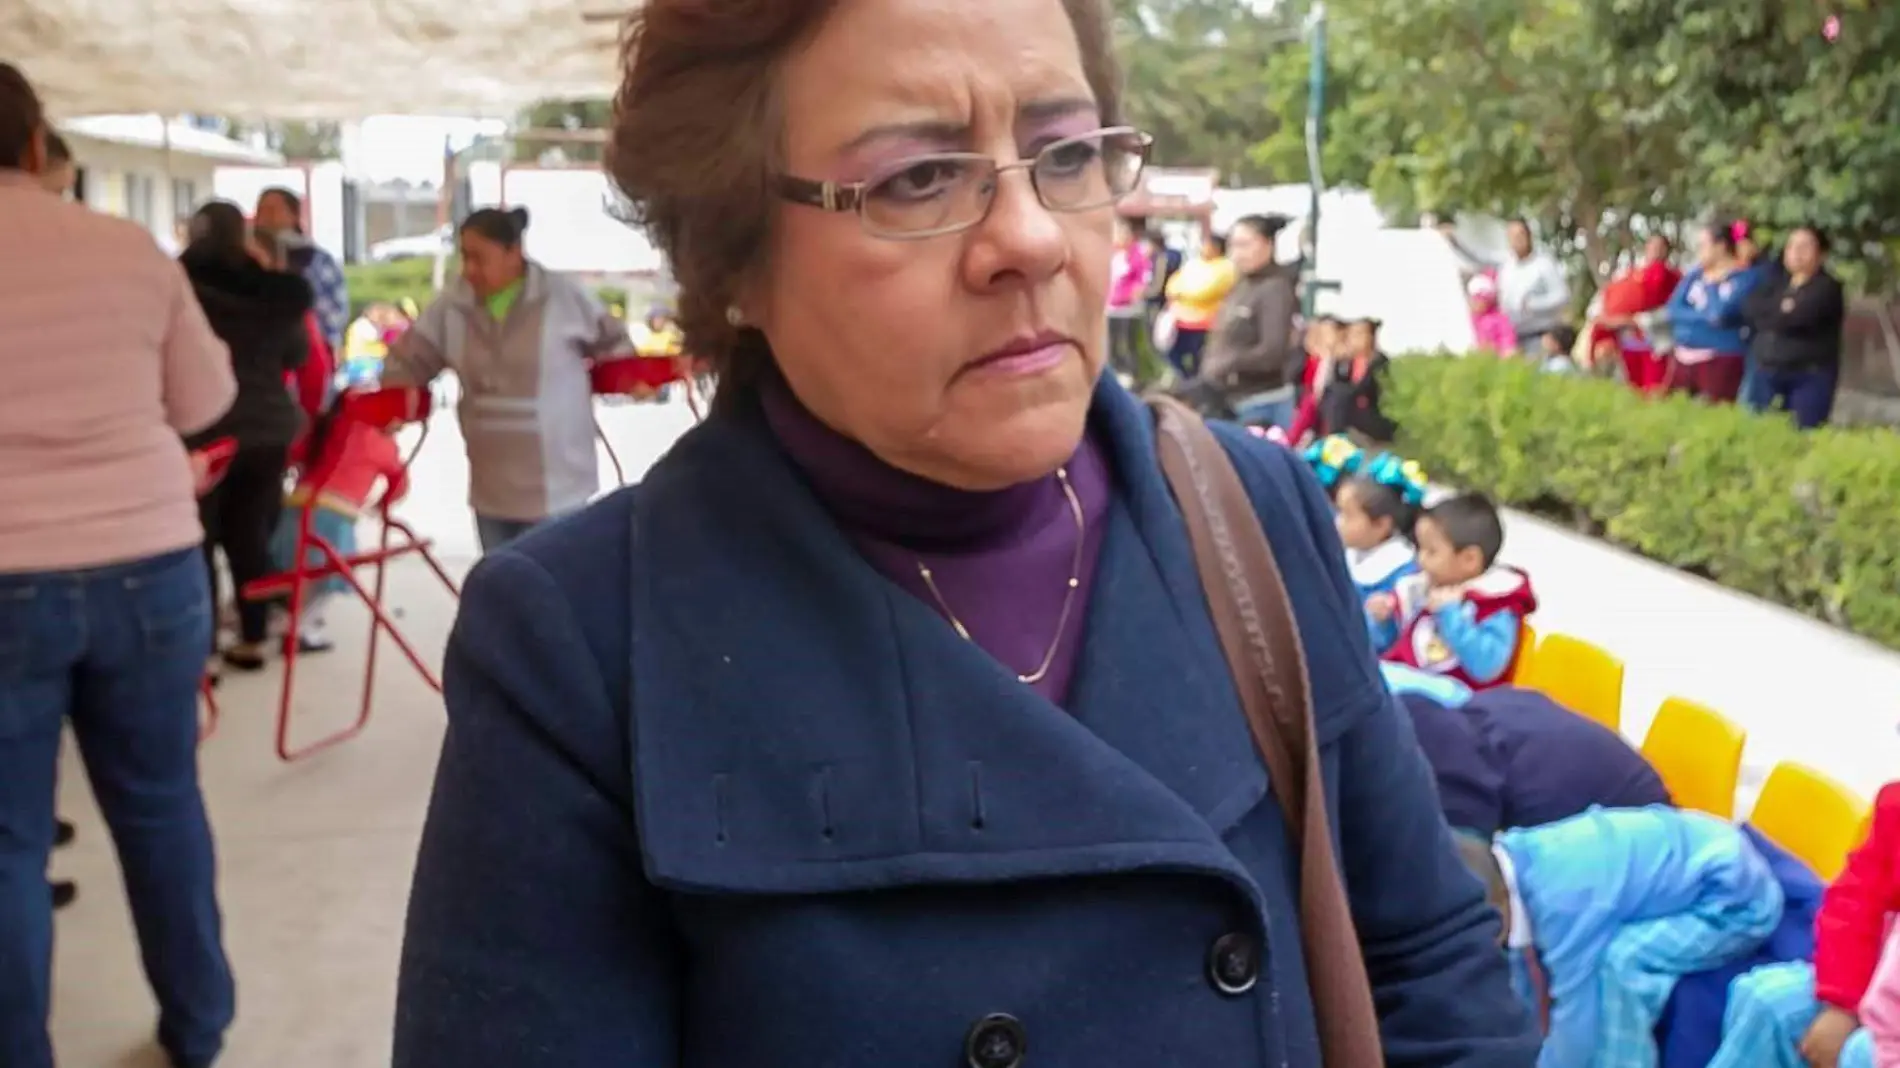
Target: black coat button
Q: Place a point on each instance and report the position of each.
(996, 1041)
(1233, 963)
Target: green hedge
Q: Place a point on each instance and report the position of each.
(388, 283)
(1809, 520)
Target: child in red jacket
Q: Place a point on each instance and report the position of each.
(1322, 344)
(340, 462)
(1800, 1014)
(1463, 614)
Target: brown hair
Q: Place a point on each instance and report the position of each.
(697, 141)
(21, 118)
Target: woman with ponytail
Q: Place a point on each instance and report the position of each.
(520, 338)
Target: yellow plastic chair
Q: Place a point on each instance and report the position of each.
(1810, 815)
(1698, 753)
(1579, 676)
(1526, 652)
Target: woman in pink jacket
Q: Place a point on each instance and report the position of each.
(1491, 326)
(1127, 283)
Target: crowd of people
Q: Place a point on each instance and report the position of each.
(1742, 323)
(1229, 325)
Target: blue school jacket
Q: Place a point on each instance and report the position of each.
(716, 794)
(1514, 758)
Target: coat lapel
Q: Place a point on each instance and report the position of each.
(806, 726)
(1152, 681)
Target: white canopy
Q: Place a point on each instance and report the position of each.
(311, 59)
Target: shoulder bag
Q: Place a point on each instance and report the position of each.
(1248, 601)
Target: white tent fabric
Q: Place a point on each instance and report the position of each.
(310, 59)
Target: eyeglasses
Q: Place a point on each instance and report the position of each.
(946, 192)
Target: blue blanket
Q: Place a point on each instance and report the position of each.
(1691, 1026)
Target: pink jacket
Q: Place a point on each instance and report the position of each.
(106, 359)
(1128, 278)
(1495, 332)
(1880, 1009)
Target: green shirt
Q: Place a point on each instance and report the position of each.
(503, 299)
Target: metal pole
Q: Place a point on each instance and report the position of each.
(168, 197)
(1315, 140)
(443, 212)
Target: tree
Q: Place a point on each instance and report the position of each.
(1784, 122)
(1346, 156)
(1507, 107)
(572, 116)
(1606, 119)
(1197, 75)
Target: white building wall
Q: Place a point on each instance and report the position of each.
(148, 186)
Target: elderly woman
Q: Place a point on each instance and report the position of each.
(885, 722)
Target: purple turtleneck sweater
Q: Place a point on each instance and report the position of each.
(1001, 559)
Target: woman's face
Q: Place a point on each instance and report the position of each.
(1249, 249)
(968, 358)
(1803, 254)
(1656, 249)
(489, 266)
(1710, 251)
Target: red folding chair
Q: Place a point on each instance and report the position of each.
(216, 460)
(378, 408)
(624, 376)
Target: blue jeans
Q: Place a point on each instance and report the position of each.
(1265, 413)
(1806, 395)
(494, 533)
(118, 651)
(1185, 353)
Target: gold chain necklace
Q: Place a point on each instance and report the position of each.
(1068, 595)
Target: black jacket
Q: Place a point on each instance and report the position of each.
(1353, 407)
(1251, 348)
(1796, 327)
(259, 313)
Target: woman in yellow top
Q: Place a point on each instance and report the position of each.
(1194, 295)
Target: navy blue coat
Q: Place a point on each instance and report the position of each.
(1515, 758)
(715, 794)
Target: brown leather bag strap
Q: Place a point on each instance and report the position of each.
(1247, 599)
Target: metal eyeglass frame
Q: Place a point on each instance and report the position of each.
(841, 197)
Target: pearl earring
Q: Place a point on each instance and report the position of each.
(734, 317)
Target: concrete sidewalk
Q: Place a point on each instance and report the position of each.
(1803, 690)
(316, 857)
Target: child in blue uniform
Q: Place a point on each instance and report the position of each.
(1376, 510)
(1605, 911)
